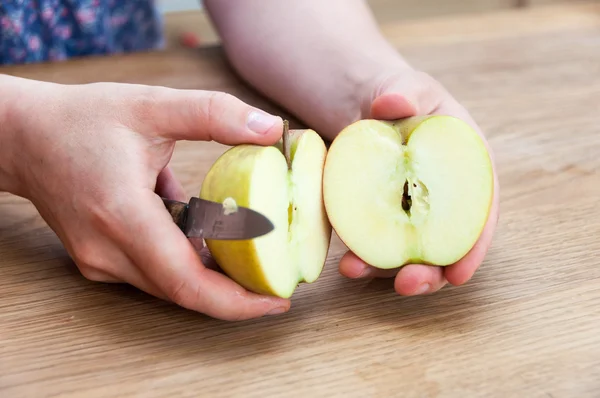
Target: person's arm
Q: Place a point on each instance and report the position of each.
(93, 159)
(329, 65)
(313, 57)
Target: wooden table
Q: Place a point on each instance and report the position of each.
(527, 325)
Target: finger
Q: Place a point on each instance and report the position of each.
(157, 246)
(416, 279)
(132, 275)
(351, 266)
(113, 266)
(198, 244)
(168, 186)
(204, 116)
(205, 257)
(95, 275)
(463, 270)
(410, 280)
(407, 95)
(208, 260)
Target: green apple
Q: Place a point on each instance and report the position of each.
(284, 182)
(415, 190)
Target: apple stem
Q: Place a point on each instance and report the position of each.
(286, 144)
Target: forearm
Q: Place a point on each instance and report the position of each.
(310, 56)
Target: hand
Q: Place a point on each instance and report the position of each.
(337, 73)
(402, 95)
(93, 160)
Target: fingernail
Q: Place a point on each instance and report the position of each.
(424, 288)
(261, 122)
(276, 311)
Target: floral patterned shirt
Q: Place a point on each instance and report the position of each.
(53, 30)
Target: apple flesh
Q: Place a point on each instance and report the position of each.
(416, 190)
(291, 196)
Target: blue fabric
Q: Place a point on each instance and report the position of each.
(53, 30)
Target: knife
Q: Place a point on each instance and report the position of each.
(202, 218)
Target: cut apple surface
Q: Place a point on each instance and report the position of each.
(258, 177)
(416, 190)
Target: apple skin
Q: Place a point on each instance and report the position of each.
(449, 211)
(257, 177)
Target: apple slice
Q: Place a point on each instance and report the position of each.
(289, 191)
(416, 190)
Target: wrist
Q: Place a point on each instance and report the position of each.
(11, 116)
(355, 82)
(324, 79)
(327, 96)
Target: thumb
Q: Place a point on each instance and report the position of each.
(198, 115)
(165, 256)
(405, 95)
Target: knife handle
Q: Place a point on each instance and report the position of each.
(178, 211)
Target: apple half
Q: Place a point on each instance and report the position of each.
(415, 190)
(284, 183)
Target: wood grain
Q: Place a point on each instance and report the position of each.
(398, 13)
(398, 10)
(525, 326)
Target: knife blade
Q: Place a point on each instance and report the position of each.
(202, 218)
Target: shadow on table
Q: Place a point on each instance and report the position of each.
(114, 315)
(331, 309)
